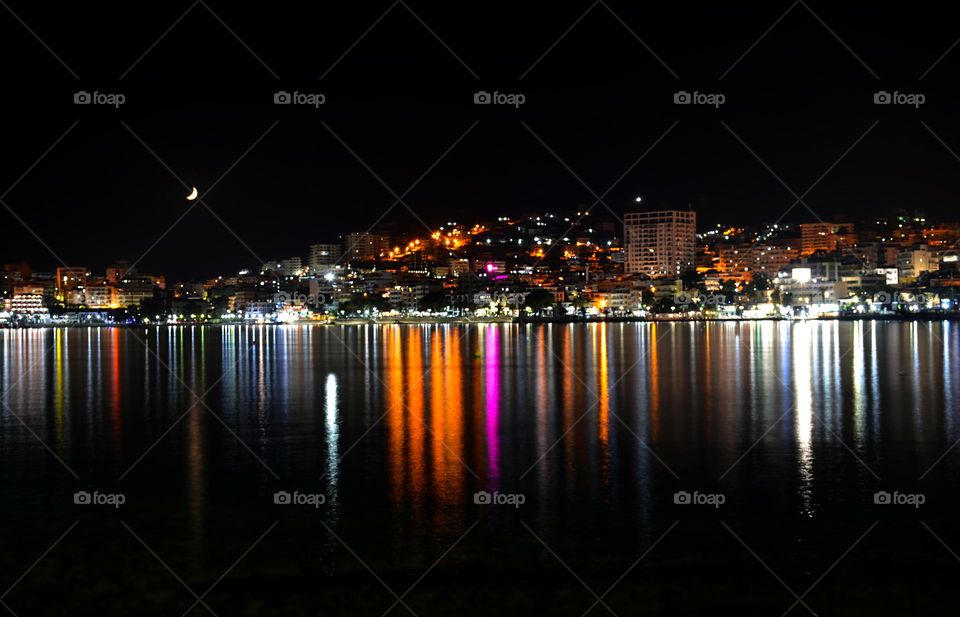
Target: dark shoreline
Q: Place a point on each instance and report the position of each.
(516, 320)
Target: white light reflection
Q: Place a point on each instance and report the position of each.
(949, 396)
(859, 383)
(803, 412)
(332, 435)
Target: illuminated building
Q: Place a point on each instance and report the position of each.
(70, 283)
(660, 243)
(117, 271)
(135, 288)
(734, 261)
(613, 297)
(491, 268)
(28, 299)
(291, 266)
(255, 311)
(941, 235)
(769, 258)
(825, 237)
(100, 296)
(814, 282)
(323, 256)
(913, 262)
(367, 246)
(406, 297)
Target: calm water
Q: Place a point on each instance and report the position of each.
(794, 425)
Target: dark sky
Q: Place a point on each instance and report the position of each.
(399, 99)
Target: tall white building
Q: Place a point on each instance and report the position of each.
(661, 243)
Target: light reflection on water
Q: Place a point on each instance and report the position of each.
(422, 416)
(802, 379)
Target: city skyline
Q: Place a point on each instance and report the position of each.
(654, 265)
(704, 231)
(604, 106)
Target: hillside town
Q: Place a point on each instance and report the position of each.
(652, 264)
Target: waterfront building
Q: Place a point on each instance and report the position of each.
(100, 296)
(70, 284)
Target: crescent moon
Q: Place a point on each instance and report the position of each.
(193, 194)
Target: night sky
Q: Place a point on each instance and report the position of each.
(399, 99)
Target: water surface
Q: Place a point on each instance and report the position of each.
(597, 426)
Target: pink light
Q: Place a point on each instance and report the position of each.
(491, 268)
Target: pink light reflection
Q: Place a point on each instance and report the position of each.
(492, 357)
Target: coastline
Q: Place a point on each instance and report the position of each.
(414, 321)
